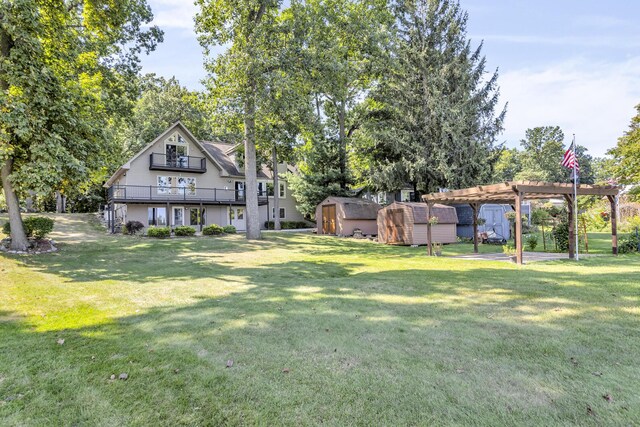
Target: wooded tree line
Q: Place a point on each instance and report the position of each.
(364, 93)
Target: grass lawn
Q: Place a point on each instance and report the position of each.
(320, 330)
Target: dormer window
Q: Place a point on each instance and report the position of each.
(176, 151)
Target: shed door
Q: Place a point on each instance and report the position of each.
(495, 222)
(329, 219)
(395, 226)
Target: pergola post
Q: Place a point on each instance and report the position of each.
(572, 219)
(518, 236)
(475, 207)
(429, 246)
(614, 224)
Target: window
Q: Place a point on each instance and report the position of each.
(262, 188)
(282, 213)
(240, 212)
(406, 195)
(176, 151)
(186, 185)
(282, 193)
(157, 216)
(270, 189)
(165, 184)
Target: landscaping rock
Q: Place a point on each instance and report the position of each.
(123, 376)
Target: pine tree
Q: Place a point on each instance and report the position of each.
(433, 121)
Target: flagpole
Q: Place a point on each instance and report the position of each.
(575, 197)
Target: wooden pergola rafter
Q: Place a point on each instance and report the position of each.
(514, 193)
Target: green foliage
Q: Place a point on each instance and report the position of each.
(184, 230)
(539, 216)
(507, 166)
(34, 226)
(628, 244)
(133, 227)
(626, 155)
(212, 230)
(509, 250)
(630, 224)
(560, 234)
(531, 241)
(158, 232)
(433, 118)
(287, 225)
(229, 229)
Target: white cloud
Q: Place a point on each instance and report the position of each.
(614, 42)
(593, 100)
(173, 13)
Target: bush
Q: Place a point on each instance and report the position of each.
(229, 229)
(561, 235)
(531, 241)
(34, 226)
(133, 227)
(184, 230)
(287, 225)
(158, 232)
(212, 230)
(628, 244)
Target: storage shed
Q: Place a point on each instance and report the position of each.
(342, 215)
(405, 223)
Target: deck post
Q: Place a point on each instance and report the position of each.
(614, 224)
(572, 219)
(475, 209)
(429, 246)
(518, 236)
(201, 216)
(113, 218)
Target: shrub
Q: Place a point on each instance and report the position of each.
(509, 250)
(212, 230)
(34, 226)
(184, 230)
(229, 229)
(531, 241)
(561, 235)
(158, 232)
(287, 225)
(628, 244)
(133, 227)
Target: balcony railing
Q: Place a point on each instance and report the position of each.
(152, 193)
(159, 161)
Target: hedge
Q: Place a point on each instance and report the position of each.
(212, 230)
(184, 230)
(34, 226)
(229, 229)
(158, 232)
(287, 225)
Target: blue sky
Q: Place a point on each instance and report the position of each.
(571, 63)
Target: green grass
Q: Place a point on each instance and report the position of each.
(370, 334)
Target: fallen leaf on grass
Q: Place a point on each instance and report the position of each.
(60, 341)
(285, 371)
(607, 397)
(590, 411)
(176, 371)
(229, 363)
(574, 361)
(460, 371)
(597, 374)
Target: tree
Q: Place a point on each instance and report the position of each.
(542, 153)
(237, 76)
(163, 102)
(342, 46)
(64, 66)
(626, 156)
(433, 118)
(508, 165)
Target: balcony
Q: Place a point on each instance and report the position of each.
(162, 162)
(155, 194)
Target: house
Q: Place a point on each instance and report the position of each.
(405, 223)
(495, 222)
(342, 215)
(405, 194)
(178, 180)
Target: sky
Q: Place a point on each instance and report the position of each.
(568, 63)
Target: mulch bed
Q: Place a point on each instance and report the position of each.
(41, 246)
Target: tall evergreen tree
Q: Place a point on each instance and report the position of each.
(434, 122)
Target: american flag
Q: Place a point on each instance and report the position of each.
(570, 161)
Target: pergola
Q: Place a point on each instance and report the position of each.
(514, 193)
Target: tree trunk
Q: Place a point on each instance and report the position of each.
(250, 168)
(343, 145)
(18, 237)
(276, 189)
